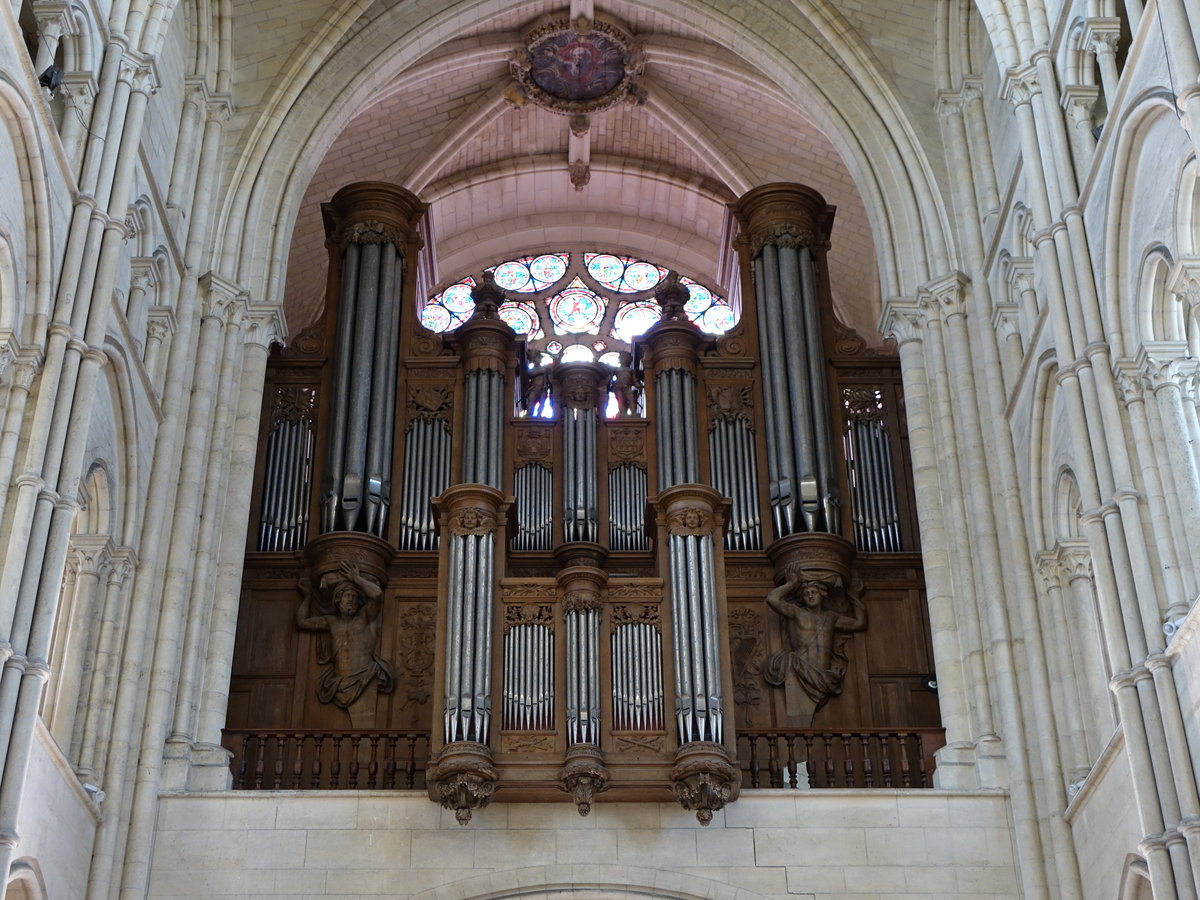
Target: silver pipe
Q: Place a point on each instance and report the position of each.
(594, 675)
(494, 454)
(342, 359)
(862, 484)
(657, 674)
(441, 480)
(766, 383)
(820, 392)
(359, 395)
(395, 301)
(489, 561)
(407, 507)
(690, 436)
(572, 698)
(683, 672)
(773, 367)
(470, 426)
(267, 500)
(506, 689)
(284, 498)
(470, 649)
(290, 486)
(298, 497)
(696, 634)
(637, 637)
(453, 639)
(889, 475)
(708, 629)
(378, 441)
(614, 660)
(878, 496)
(799, 389)
(306, 489)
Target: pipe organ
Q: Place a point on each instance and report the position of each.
(583, 570)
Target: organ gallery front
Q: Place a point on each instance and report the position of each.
(579, 526)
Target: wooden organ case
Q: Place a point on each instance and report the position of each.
(718, 586)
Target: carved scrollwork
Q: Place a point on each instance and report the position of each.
(311, 340)
(527, 743)
(294, 402)
(533, 445)
(584, 776)
(530, 589)
(862, 404)
(416, 653)
(747, 652)
(528, 614)
(429, 402)
(728, 402)
(631, 743)
(702, 779)
(472, 520)
(630, 614)
(464, 778)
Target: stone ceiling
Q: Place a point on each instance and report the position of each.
(497, 181)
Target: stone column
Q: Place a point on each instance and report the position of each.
(787, 227)
(371, 233)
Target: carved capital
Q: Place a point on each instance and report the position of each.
(1074, 559)
(1165, 364)
(373, 212)
(1102, 35)
(1005, 319)
(1021, 84)
(703, 779)
(902, 320)
(579, 601)
(264, 324)
(471, 520)
(947, 294)
(1079, 100)
(1050, 571)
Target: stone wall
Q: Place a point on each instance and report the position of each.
(819, 845)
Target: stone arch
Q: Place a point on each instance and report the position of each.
(316, 95)
(25, 881)
(1121, 253)
(1160, 316)
(592, 882)
(30, 256)
(1135, 880)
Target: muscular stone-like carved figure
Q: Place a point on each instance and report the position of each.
(353, 635)
(626, 387)
(811, 667)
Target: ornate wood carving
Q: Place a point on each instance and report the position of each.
(475, 520)
(415, 639)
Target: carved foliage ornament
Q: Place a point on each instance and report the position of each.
(578, 601)
(528, 614)
(728, 403)
(429, 402)
(702, 779)
(647, 614)
(533, 445)
(472, 520)
(574, 67)
(464, 778)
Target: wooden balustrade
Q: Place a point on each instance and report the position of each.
(291, 760)
(805, 757)
(387, 760)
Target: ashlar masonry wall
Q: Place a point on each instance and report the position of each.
(850, 845)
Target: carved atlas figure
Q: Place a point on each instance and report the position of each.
(817, 617)
(350, 636)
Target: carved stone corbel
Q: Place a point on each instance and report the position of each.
(584, 775)
(463, 778)
(703, 779)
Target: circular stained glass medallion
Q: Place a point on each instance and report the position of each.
(718, 320)
(576, 310)
(457, 297)
(634, 319)
(548, 268)
(435, 318)
(520, 317)
(513, 276)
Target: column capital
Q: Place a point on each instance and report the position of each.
(901, 320)
(54, 17)
(1101, 34)
(219, 293)
(264, 324)
(1165, 363)
(949, 104)
(1130, 380)
(948, 294)
(160, 322)
(1079, 99)
(1020, 84)
(1184, 281)
(1074, 559)
(1050, 570)
(369, 212)
(1005, 318)
(790, 215)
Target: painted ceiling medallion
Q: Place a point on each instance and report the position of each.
(578, 66)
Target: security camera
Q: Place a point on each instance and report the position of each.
(95, 793)
(51, 79)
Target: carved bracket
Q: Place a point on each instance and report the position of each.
(703, 779)
(584, 776)
(463, 778)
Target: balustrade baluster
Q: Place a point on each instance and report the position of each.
(830, 771)
(791, 761)
(239, 780)
(355, 744)
(373, 765)
(849, 760)
(259, 761)
(885, 757)
(924, 776)
(905, 774)
(755, 766)
(410, 764)
(318, 740)
(868, 779)
(298, 762)
(280, 749)
(389, 765)
(773, 762)
(335, 765)
(809, 765)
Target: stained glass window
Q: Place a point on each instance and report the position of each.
(521, 318)
(451, 308)
(635, 318)
(576, 310)
(530, 274)
(578, 353)
(623, 273)
(710, 312)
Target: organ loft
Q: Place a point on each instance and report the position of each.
(580, 527)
